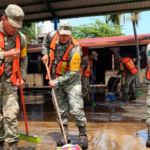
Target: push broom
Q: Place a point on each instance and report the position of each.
(66, 146)
(26, 136)
(111, 95)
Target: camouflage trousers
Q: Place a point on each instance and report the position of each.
(85, 87)
(129, 85)
(148, 105)
(70, 100)
(122, 83)
(8, 115)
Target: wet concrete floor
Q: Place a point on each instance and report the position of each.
(112, 125)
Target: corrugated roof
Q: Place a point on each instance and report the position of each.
(40, 10)
(115, 41)
(103, 42)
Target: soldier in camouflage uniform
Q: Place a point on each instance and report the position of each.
(11, 22)
(119, 67)
(86, 72)
(146, 77)
(67, 83)
(127, 66)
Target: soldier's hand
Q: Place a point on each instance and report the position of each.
(12, 54)
(51, 84)
(45, 59)
(20, 85)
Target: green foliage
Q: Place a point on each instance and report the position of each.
(29, 32)
(115, 19)
(135, 17)
(97, 29)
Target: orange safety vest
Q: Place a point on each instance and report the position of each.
(87, 71)
(13, 77)
(63, 65)
(130, 65)
(148, 73)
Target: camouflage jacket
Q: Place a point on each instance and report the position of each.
(145, 80)
(84, 65)
(71, 77)
(8, 63)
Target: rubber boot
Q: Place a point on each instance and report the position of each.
(124, 98)
(61, 141)
(148, 140)
(13, 146)
(83, 140)
(2, 146)
(133, 97)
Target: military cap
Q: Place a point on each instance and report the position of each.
(15, 15)
(65, 28)
(94, 54)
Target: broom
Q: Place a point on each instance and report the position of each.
(111, 95)
(26, 136)
(66, 146)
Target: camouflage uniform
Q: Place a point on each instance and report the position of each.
(122, 82)
(129, 86)
(8, 93)
(148, 97)
(120, 67)
(86, 80)
(148, 94)
(68, 86)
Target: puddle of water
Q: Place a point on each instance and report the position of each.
(143, 134)
(39, 107)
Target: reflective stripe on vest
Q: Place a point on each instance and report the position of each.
(147, 73)
(130, 65)
(63, 65)
(87, 71)
(13, 77)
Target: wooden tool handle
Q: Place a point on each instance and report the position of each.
(57, 108)
(22, 99)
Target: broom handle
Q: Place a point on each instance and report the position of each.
(114, 85)
(22, 99)
(57, 108)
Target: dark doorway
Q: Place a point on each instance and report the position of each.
(103, 63)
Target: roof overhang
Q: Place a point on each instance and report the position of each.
(102, 42)
(143, 39)
(103, 45)
(42, 10)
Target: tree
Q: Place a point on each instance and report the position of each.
(115, 19)
(135, 19)
(29, 32)
(97, 29)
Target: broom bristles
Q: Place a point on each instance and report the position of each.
(29, 138)
(110, 96)
(69, 147)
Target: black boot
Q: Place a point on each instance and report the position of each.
(61, 141)
(132, 97)
(13, 146)
(125, 98)
(2, 146)
(148, 140)
(83, 142)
